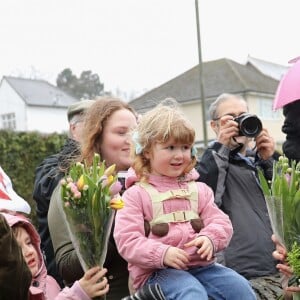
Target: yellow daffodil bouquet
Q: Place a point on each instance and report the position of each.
(282, 196)
(90, 197)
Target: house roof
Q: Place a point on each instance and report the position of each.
(39, 92)
(219, 76)
(276, 71)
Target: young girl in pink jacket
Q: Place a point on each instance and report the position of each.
(170, 229)
(43, 286)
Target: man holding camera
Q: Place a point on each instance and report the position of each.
(226, 167)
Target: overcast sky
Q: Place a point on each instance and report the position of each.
(140, 44)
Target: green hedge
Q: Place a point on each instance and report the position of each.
(21, 153)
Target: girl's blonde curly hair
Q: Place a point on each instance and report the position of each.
(158, 125)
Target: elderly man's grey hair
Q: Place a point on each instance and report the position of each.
(222, 98)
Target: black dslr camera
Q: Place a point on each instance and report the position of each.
(249, 125)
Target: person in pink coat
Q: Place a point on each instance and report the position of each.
(43, 286)
(170, 230)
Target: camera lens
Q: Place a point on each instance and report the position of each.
(250, 125)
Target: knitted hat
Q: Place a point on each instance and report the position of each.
(78, 107)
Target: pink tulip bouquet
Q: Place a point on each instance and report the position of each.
(90, 198)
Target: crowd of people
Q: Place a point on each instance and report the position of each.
(192, 226)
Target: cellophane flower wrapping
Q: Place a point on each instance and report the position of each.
(282, 196)
(89, 200)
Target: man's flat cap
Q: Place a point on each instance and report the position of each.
(79, 107)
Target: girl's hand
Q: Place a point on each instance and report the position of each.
(94, 283)
(176, 258)
(204, 245)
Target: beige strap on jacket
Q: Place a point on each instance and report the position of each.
(157, 199)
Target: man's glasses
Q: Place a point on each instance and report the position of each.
(232, 115)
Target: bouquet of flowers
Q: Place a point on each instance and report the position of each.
(89, 200)
(282, 196)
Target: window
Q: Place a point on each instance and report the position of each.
(266, 110)
(8, 121)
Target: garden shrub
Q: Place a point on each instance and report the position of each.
(21, 153)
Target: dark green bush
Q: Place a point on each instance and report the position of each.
(21, 153)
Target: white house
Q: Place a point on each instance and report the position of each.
(33, 105)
